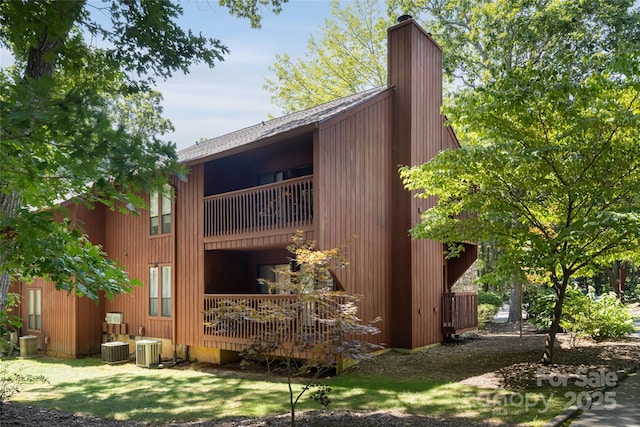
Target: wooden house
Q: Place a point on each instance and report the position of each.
(330, 171)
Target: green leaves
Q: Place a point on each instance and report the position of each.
(80, 123)
(46, 244)
(251, 8)
(348, 57)
(550, 161)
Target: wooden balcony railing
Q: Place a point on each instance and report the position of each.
(285, 204)
(300, 317)
(459, 312)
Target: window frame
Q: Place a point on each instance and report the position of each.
(161, 212)
(34, 309)
(160, 292)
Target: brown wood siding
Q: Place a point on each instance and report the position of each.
(190, 259)
(449, 139)
(400, 76)
(415, 70)
(427, 255)
(352, 185)
(92, 221)
(71, 325)
(89, 319)
(456, 267)
(129, 243)
(58, 319)
(89, 314)
(256, 240)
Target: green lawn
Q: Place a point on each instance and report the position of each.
(90, 387)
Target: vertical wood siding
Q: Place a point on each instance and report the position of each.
(58, 319)
(128, 242)
(427, 255)
(351, 175)
(415, 70)
(190, 259)
(71, 325)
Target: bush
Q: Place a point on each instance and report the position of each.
(13, 382)
(489, 298)
(631, 293)
(609, 318)
(583, 315)
(486, 313)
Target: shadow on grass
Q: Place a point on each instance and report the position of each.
(125, 392)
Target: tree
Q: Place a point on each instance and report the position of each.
(550, 164)
(311, 330)
(80, 121)
(349, 57)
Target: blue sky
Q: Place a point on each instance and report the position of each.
(211, 102)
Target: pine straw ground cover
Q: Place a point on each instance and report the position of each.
(497, 360)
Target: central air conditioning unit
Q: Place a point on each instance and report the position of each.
(113, 318)
(115, 352)
(148, 353)
(28, 346)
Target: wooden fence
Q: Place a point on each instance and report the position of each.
(459, 312)
(247, 316)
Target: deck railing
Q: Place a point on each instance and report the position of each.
(284, 204)
(459, 312)
(301, 317)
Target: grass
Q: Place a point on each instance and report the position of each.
(126, 392)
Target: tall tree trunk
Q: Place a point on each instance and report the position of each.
(9, 204)
(614, 273)
(41, 61)
(560, 288)
(623, 277)
(515, 302)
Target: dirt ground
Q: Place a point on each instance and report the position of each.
(496, 357)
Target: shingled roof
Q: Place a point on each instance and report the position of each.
(276, 126)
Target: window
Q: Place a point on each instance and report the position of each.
(283, 175)
(160, 291)
(160, 212)
(35, 309)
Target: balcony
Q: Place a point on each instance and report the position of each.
(301, 319)
(281, 205)
(459, 312)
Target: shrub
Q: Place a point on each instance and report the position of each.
(311, 333)
(13, 382)
(603, 318)
(489, 298)
(583, 315)
(609, 319)
(486, 313)
(631, 293)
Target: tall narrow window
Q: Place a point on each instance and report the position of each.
(160, 211)
(160, 291)
(153, 213)
(35, 309)
(166, 212)
(153, 291)
(166, 291)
